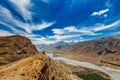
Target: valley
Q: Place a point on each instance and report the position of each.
(113, 73)
(103, 51)
(16, 58)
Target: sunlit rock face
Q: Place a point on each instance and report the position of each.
(15, 47)
(37, 67)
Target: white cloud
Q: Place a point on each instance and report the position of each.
(58, 31)
(42, 40)
(72, 32)
(99, 13)
(74, 41)
(72, 29)
(103, 26)
(29, 28)
(22, 8)
(63, 37)
(105, 15)
(100, 27)
(5, 33)
(7, 19)
(43, 25)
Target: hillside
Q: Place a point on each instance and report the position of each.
(102, 49)
(15, 47)
(37, 67)
(19, 60)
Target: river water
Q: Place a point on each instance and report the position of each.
(113, 73)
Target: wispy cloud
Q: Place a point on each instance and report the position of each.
(77, 33)
(43, 25)
(63, 37)
(23, 6)
(19, 21)
(5, 33)
(7, 19)
(72, 29)
(42, 40)
(103, 26)
(19, 27)
(29, 28)
(99, 13)
(58, 31)
(71, 33)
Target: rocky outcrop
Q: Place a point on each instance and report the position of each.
(37, 67)
(15, 47)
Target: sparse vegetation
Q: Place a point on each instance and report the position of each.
(110, 63)
(55, 55)
(91, 77)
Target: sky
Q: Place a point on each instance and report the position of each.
(50, 21)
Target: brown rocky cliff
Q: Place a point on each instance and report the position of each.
(15, 47)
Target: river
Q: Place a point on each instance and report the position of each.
(113, 73)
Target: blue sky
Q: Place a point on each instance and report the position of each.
(49, 21)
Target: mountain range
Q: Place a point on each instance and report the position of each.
(53, 47)
(106, 49)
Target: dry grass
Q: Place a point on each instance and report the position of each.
(36, 67)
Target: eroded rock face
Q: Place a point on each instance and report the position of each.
(36, 67)
(15, 47)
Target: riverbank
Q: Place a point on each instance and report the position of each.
(93, 60)
(113, 73)
(86, 73)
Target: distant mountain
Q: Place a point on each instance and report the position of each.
(41, 46)
(55, 46)
(107, 48)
